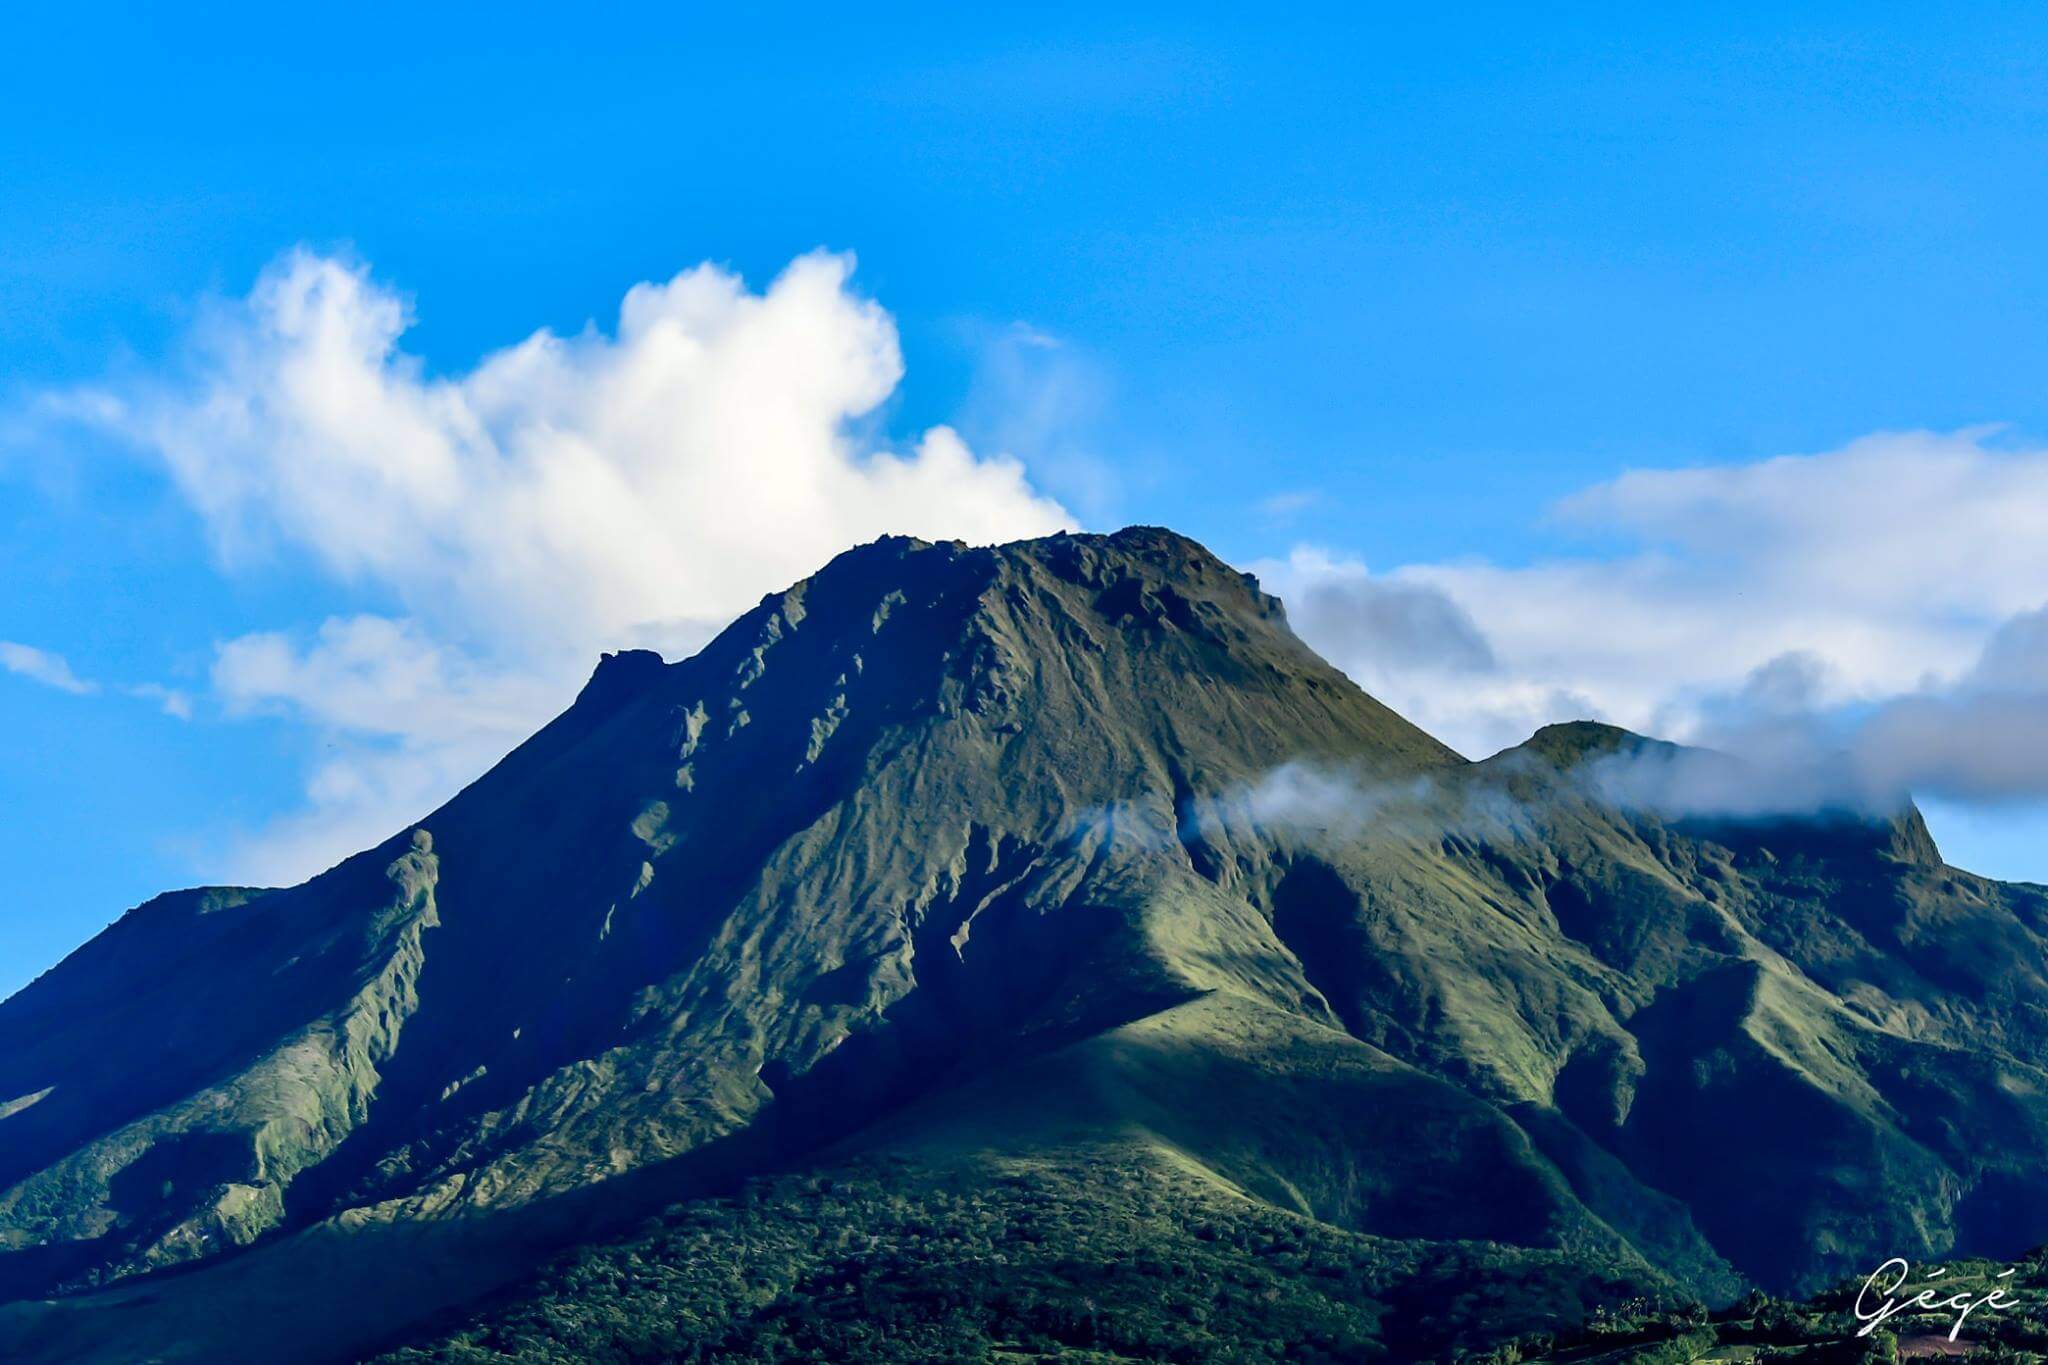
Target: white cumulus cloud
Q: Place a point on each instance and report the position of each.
(565, 495)
(587, 486)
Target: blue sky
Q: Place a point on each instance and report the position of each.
(1384, 303)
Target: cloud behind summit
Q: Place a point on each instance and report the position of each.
(1869, 618)
(564, 495)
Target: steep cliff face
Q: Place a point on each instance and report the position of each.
(1063, 847)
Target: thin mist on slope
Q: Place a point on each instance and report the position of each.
(1331, 805)
(1774, 748)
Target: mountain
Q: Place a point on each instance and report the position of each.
(1037, 943)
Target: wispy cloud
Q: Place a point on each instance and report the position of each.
(40, 665)
(1316, 799)
(1283, 507)
(171, 701)
(1040, 399)
(53, 670)
(1321, 803)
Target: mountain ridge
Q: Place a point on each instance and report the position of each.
(941, 829)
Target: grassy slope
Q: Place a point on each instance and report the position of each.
(206, 1077)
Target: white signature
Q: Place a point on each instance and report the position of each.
(1929, 1296)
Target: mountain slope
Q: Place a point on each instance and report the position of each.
(1068, 851)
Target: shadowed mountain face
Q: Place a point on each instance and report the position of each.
(1068, 854)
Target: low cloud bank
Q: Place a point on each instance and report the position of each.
(1771, 749)
(1850, 626)
(1775, 747)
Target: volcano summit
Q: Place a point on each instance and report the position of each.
(982, 940)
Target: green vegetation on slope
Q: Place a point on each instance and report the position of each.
(1117, 1255)
(1820, 1330)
